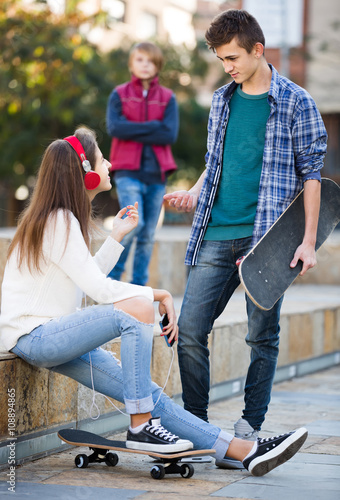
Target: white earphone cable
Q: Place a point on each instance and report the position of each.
(95, 394)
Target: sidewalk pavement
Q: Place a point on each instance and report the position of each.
(312, 401)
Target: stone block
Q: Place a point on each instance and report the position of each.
(330, 330)
(175, 377)
(8, 378)
(31, 397)
(167, 269)
(318, 333)
(86, 409)
(300, 337)
(86, 406)
(239, 352)
(327, 270)
(284, 341)
(220, 355)
(337, 330)
(160, 364)
(62, 399)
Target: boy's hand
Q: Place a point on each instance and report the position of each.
(183, 200)
(305, 253)
(121, 226)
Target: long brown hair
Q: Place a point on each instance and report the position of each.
(60, 185)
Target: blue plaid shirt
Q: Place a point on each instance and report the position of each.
(294, 150)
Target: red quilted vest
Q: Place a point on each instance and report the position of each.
(126, 155)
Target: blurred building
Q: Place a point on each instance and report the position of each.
(303, 43)
(164, 20)
(323, 73)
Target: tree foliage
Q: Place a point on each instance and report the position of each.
(52, 79)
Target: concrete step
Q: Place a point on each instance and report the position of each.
(167, 269)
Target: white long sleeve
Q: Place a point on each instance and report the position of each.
(31, 299)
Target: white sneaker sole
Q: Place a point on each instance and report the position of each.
(160, 448)
(278, 456)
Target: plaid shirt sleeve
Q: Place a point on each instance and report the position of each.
(309, 141)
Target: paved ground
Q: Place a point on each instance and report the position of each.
(313, 474)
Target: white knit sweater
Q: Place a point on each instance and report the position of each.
(67, 273)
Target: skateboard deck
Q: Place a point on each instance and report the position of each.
(101, 453)
(265, 271)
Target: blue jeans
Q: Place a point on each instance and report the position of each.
(150, 199)
(211, 283)
(65, 345)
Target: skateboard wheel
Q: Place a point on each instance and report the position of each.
(81, 461)
(187, 470)
(157, 472)
(111, 459)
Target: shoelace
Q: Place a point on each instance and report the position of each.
(159, 430)
(266, 440)
(250, 434)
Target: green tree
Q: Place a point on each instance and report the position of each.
(52, 79)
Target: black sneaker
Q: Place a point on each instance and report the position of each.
(274, 451)
(153, 437)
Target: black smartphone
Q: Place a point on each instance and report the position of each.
(163, 322)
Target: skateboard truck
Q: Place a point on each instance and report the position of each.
(172, 467)
(167, 465)
(99, 455)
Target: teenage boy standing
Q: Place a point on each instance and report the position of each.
(266, 140)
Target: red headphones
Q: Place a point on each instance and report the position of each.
(92, 179)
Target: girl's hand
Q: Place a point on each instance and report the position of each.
(166, 306)
(121, 226)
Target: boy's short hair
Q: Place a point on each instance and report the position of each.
(234, 23)
(151, 50)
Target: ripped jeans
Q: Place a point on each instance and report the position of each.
(62, 343)
(65, 346)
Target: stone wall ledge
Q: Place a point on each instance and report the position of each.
(46, 401)
(167, 268)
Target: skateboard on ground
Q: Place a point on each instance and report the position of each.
(265, 271)
(100, 446)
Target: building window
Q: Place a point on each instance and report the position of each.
(115, 9)
(147, 25)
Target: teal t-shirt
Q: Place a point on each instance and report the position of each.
(234, 208)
